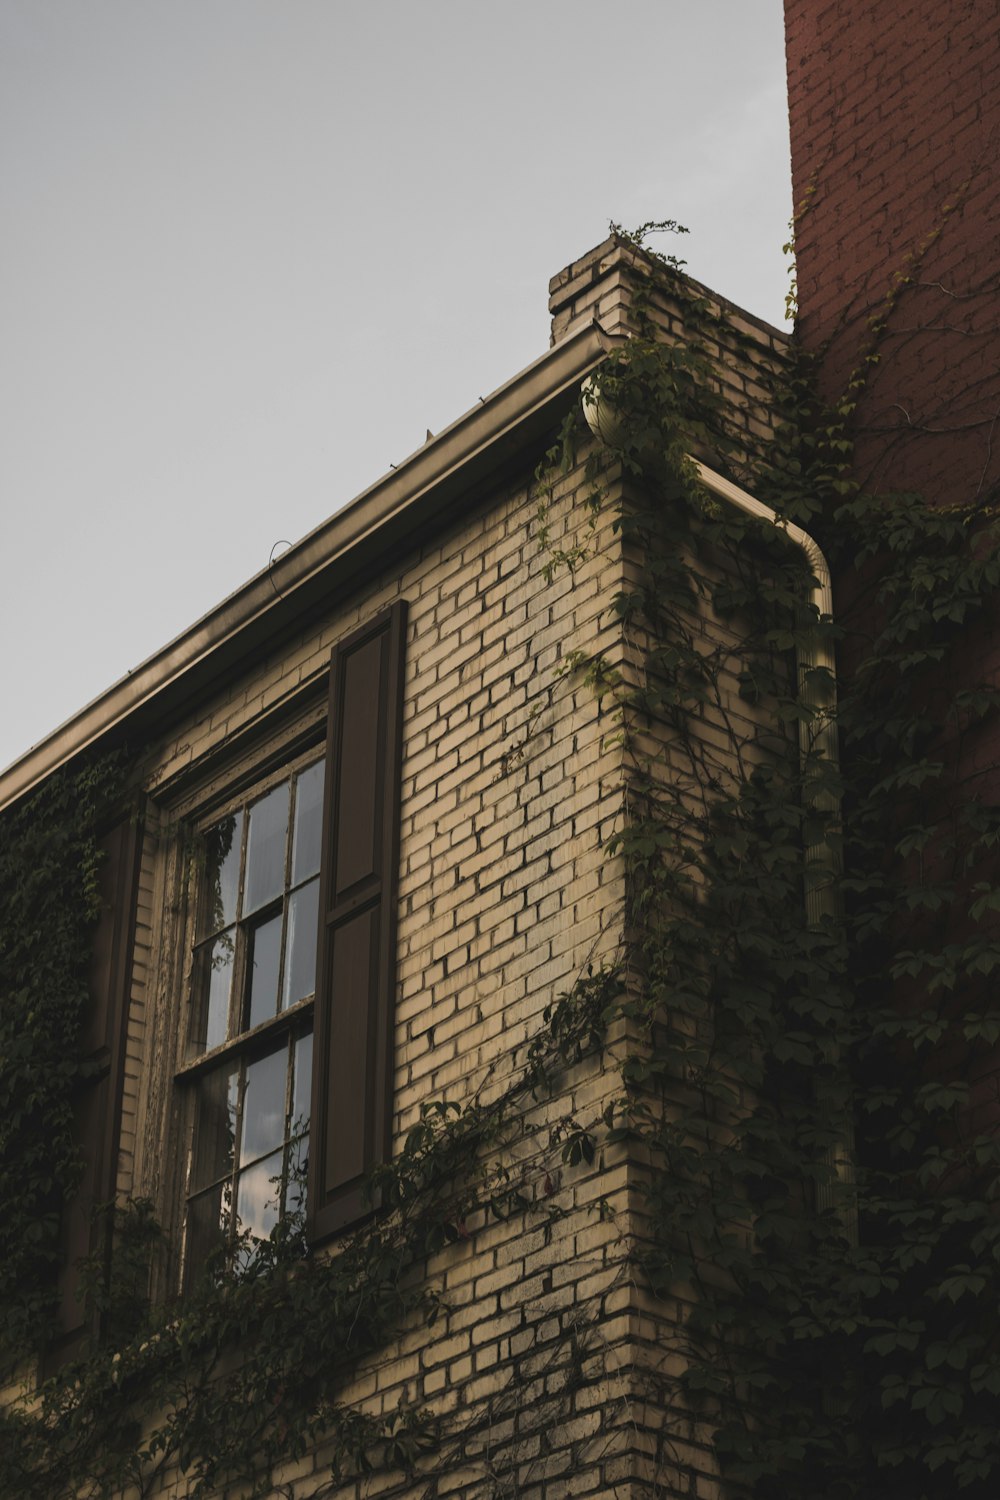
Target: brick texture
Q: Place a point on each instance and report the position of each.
(549, 1364)
(895, 119)
(747, 352)
(508, 794)
(895, 123)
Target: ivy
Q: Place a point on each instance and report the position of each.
(248, 1373)
(811, 1096)
(829, 1361)
(49, 867)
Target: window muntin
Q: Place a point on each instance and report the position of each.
(251, 1146)
(256, 951)
(253, 975)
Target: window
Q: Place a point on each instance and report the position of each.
(293, 970)
(254, 976)
(258, 911)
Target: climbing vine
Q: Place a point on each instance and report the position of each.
(49, 868)
(247, 1375)
(811, 1088)
(842, 1329)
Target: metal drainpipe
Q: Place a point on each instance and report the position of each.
(818, 689)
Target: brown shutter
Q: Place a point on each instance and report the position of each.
(97, 1105)
(355, 976)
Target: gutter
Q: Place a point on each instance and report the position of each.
(447, 474)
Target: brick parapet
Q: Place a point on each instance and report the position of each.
(750, 357)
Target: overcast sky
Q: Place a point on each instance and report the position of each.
(253, 249)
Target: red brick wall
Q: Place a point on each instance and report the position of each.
(895, 130)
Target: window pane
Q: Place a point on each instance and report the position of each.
(213, 980)
(215, 1130)
(264, 962)
(222, 882)
(302, 1083)
(308, 823)
(298, 1173)
(265, 876)
(300, 948)
(257, 1196)
(207, 1225)
(264, 1104)
(259, 919)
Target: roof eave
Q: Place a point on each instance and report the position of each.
(474, 450)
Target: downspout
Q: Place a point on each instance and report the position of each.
(815, 666)
(817, 682)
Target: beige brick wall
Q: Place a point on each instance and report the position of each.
(548, 1365)
(508, 794)
(747, 353)
(672, 1453)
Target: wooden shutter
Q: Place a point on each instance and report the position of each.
(355, 976)
(97, 1104)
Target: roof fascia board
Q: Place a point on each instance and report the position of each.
(472, 452)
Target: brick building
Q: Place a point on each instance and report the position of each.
(405, 655)
(372, 811)
(894, 113)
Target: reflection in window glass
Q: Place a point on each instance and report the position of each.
(223, 847)
(302, 1088)
(215, 1127)
(300, 953)
(298, 1172)
(250, 1149)
(271, 962)
(254, 960)
(208, 1217)
(264, 961)
(308, 823)
(264, 1105)
(214, 975)
(266, 839)
(259, 1196)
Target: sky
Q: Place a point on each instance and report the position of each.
(253, 250)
